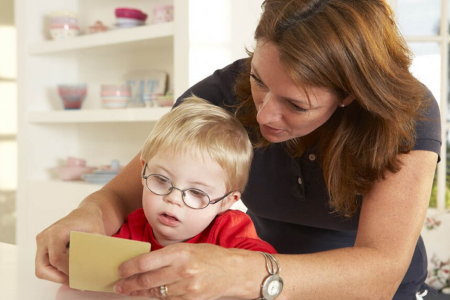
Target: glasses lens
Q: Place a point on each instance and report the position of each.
(159, 184)
(195, 198)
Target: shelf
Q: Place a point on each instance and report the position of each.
(98, 115)
(155, 33)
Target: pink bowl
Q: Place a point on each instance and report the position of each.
(75, 162)
(72, 173)
(72, 95)
(64, 26)
(163, 13)
(131, 13)
(64, 20)
(117, 90)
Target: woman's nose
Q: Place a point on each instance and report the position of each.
(267, 110)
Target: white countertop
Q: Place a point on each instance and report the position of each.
(18, 280)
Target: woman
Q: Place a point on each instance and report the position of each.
(347, 142)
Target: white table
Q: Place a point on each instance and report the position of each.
(18, 280)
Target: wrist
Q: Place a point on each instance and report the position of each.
(90, 208)
(272, 286)
(247, 278)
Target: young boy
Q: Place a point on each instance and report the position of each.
(195, 164)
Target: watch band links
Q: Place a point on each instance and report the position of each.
(272, 265)
(273, 268)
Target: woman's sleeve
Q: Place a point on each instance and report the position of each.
(428, 128)
(217, 88)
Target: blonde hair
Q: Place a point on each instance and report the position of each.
(351, 48)
(209, 130)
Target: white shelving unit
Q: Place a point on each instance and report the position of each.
(154, 34)
(186, 49)
(98, 116)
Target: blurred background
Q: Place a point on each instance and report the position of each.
(8, 122)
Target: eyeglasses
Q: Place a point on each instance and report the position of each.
(193, 198)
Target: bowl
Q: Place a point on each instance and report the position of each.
(64, 33)
(163, 13)
(115, 102)
(124, 12)
(115, 95)
(98, 27)
(128, 22)
(67, 173)
(72, 95)
(117, 90)
(63, 25)
(64, 20)
(166, 100)
(76, 162)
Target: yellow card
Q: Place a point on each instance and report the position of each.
(94, 260)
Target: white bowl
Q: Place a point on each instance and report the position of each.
(63, 33)
(115, 104)
(129, 21)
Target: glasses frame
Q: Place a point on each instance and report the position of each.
(183, 192)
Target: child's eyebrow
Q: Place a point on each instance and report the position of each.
(195, 182)
(202, 184)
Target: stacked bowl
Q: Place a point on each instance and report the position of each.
(74, 169)
(72, 95)
(162, 14)
(63, 25)
(129, 17)
(115, 95)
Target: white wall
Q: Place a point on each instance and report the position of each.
(219, 32)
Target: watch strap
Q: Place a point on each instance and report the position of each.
(273, 268)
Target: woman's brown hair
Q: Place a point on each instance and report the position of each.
(351, 47)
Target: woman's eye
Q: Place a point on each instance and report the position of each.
(297, 108)
(257, 80)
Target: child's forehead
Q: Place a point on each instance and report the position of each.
(188, 154)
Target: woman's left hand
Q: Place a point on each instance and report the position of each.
(191, 271)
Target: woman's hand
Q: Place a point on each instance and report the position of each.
(52, 254)
(193, 271)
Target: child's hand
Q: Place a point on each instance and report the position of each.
(52, 254)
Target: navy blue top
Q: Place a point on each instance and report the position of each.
(287, 198)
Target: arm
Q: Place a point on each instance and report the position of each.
(101, 212)
(391, 219)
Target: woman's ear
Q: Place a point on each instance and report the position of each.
(349, 99)
(142, 162)
(229, 201)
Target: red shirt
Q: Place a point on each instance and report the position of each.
(232, 229)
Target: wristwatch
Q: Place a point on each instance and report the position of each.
(272, 285)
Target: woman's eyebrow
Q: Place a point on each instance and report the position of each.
(282, 97)
(256, 73)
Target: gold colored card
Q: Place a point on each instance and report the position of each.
(94, 260)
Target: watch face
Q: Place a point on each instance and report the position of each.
(272, 287)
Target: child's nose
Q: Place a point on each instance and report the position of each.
(175, 197)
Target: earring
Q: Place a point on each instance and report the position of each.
(342, 104)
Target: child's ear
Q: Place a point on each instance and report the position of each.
(142, 170)
(229, 201)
